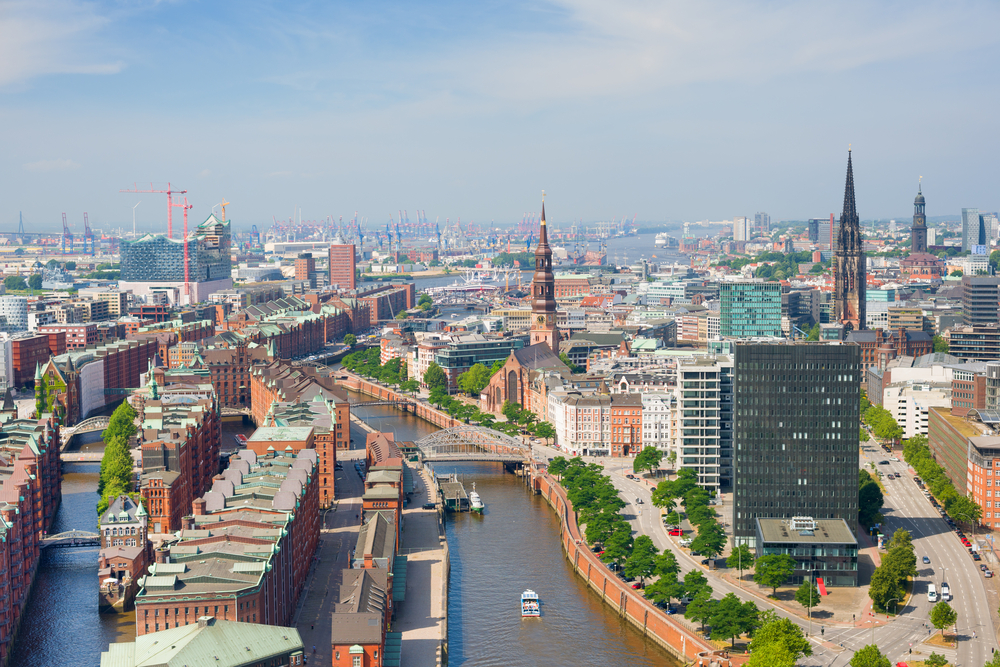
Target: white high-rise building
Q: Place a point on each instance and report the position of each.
(742, 229)
(14, 313)
(657, 421)
(6, 362)
(703, 433)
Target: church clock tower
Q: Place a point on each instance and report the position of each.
(543, 291)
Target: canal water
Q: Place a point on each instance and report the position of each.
(513, 546)
(61, 625)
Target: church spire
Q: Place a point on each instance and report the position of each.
(850, 214)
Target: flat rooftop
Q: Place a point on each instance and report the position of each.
(827, 531)
(281, 434)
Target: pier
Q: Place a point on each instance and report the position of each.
(453, 493)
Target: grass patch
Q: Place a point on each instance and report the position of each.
(878, 480)
(944, 641)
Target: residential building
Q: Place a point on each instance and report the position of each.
(6, 362)
(305, 267)
(28, 351)
(78, 336)
(910, 402)
(992, 398)
(657, 421)
(229, 643)
(824, 549)
(13, 313)
(795, 432)
(582, 421)
(125, 553)
(982, 483)
(703, 431)
(912, 319)
(750, 309)
(626, 424)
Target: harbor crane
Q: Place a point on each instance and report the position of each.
(88, 236)
(67, 237)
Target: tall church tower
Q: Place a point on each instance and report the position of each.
(543, 292)
(918, 232)
(850, 275)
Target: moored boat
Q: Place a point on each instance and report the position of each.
(530, 604)
(475, 502)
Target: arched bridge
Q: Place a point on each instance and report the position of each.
(233, 412)
(92, 424)
(70, 539)
(472, 443)
(404, 403)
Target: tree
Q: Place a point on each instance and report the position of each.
(435, 378)
(938, 660)
(424, 298)
(642, 562)
(771, 655)
(701, 608)
(731, 618)
(773, 570)
(401, 315)
(673, 518)
(740, 558)
(545, 431)
(563, 357)
(957, 273)
(350, 340)
(409, 386)
(474, 380)
(618, 546)
(869, 656)
(900, 538)
(814, 333)
(964, 509)
(940, 344)
(943, 616)
(807, 595)
(510, 410)
(883, 587)
(870, 499)
(35, 281)
(995, 662)
(711, 539)
(695, 583)
(70, 266)
(15, 283)
(558, 465)
(647, 459)
(774, 631)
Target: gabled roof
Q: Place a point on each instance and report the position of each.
(539, 356)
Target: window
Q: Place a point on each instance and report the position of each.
(356, 662)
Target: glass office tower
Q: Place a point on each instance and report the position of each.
(795, 433)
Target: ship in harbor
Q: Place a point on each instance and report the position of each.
(475, 502)
(530, 605)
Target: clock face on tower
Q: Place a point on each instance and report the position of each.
(541, 319)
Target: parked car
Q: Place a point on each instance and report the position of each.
(983, 567)
(676, 532)
(988, 574)
(976, 556)
(637, 586)
(429, 506)
(686, 542)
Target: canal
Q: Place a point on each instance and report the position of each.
(61, 624)
(513, 546)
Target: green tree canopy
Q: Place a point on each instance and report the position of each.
(701, 608)
(350, 340)
(808, 595)
(642, 561)
(870, 499)
(474, 380)
(15, 283)
(943, 616)
(545, 431)
(647, 459)
(435, 378)
(774, 631)
(869, 656)
(940, 344)
(35, 281)
(740, 558)
(731, 618)
(773, 570)
(711, 540)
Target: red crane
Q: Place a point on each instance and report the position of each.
(187, 260)
(67, 237)
(170, 204)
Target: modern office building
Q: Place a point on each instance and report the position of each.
(973, 229)
(750, 309)
(156, 264)
(824, 549)
(305, 267)
(342, 266)
(814, 226)
(980, 300)
(979, 343)
(795, 433)
(762, 222)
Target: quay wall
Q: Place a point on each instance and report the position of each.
(382, 393)
(677, 640)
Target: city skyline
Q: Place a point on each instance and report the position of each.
(667, 113)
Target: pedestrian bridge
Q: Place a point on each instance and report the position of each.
(70, 539)
(472, 443)
(92, 424)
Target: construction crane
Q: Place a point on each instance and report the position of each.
(187, 259)
(223, 204)
(88, 236)
(67, 238)
(170, 203)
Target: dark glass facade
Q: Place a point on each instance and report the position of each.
(155, 258)
(795, 433)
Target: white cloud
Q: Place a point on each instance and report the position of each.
(51, 37)
(62, 164)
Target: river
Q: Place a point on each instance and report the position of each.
(514, 546)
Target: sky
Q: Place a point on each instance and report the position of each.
(663, 110)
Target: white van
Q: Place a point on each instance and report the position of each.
(932, 593)
(945, 592)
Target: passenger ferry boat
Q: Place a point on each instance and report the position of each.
(241, 439)
(530, 605)
(475, 502)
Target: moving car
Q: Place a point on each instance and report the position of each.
(927, 560)
(883, 463)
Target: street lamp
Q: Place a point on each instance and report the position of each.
(894, 606)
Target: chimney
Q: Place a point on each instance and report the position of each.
(162, 555)
(199, 508)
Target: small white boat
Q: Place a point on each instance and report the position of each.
(530, 606)
(475, 502)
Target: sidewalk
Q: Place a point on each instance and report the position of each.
(422, 618)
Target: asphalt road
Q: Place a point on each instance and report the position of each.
(905, 507)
